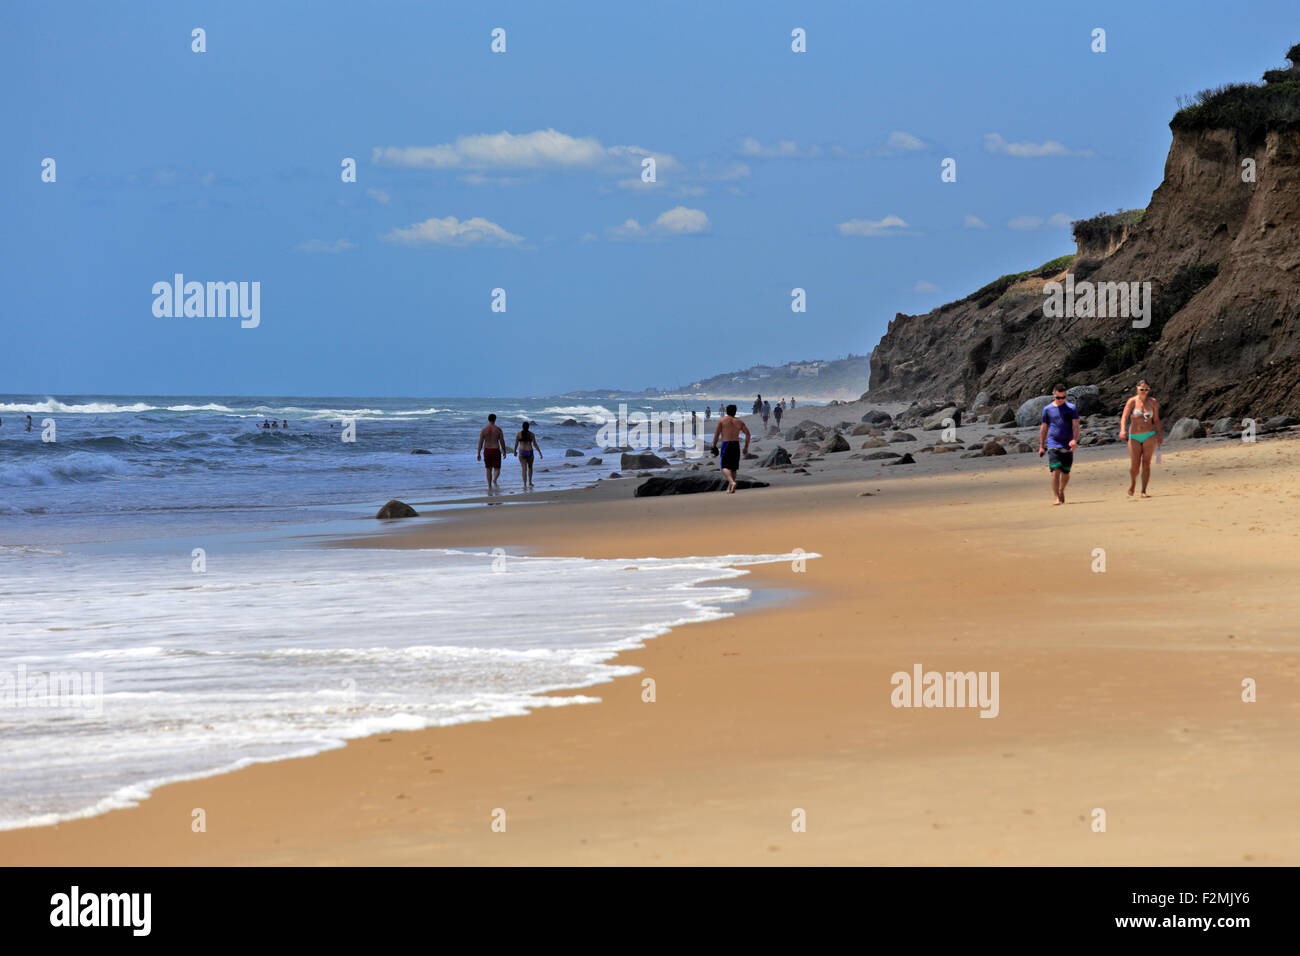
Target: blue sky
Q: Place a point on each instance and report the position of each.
(521, 170)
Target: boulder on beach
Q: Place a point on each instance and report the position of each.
(776, 458)
(1031, 412)
(836, 443)
(420, 451)
(905, 460)
(1222, 427)
(863, 429)
(690, 483)
(572, 453)
(635, 460)
(993, 448)
(614, 474)
(877, 418)
(397, 509)
(881, 455)
(1002, 415)
(1086, 398)
(902, 436)
(595, 461)
(1186, 428)
(874, 443)
(1280, 421)
(934, 422)
(570, 421)
(981, 400)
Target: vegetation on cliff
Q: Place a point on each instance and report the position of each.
(1104, 225)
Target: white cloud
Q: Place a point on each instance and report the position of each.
(888, 226)
(540, 149)
(994, 143)
(900, 140)
(320, 245)
(683, 221)
(923, 286)
(379, 196)
(678, 221)
(1026, 223)
(785, 149)
(975, 222)
(448, 231)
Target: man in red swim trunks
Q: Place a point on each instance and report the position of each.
(491, 446)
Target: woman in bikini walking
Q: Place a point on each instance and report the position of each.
(525, 445)
(1140, 423)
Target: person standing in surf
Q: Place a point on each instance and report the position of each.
(525, 444)
(1140, 423)
(729, 431)
(491, 446)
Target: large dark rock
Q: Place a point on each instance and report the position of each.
(690, 483)
(572, 453)
(776, 458)
(570, 421)
(993, 448)
(1031, 412)
(397, 509)
(1002, 415)
(877, 418)
(1186, 428)
(595, 461)
(881, 455)
(420, 451)
(834, 444)
(1086, 398)
(634, 460)
(1280, 421)
(902, 436)
(905, 460)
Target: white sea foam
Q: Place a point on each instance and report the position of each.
(273, 654)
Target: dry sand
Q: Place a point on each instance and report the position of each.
(1119, 691)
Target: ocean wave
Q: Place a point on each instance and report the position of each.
(93, 408)
(593, 413)
(74, 467)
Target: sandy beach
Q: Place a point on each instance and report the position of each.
(1119, 690)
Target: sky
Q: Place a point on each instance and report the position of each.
(522, 170)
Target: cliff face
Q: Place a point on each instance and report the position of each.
(1229, 347)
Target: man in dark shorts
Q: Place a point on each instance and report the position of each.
(1058, 437)
(729, 431)
(491, 445)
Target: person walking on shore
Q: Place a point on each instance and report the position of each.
(729, 430)
(766, 413)
(491, 445)
(778, 412)
(758, 404)
(708, 412)
(1141, 412)
(1058, 437)
(525, 444)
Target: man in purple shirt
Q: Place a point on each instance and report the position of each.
(1058, 437)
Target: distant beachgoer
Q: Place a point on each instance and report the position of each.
(1058, 437)
(729, 431)
(525, 445)
(767, 411)
(708, 412)
(758, 404)
(286, 423)
(274, 424)
(778, 412)
(29, 423)
(792, 401)
(1141, 411)
(491, 444)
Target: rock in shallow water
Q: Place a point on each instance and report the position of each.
(690, 483)
(397, 509)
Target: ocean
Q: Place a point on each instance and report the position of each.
(168, 613)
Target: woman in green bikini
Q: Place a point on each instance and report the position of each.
(1140, 422)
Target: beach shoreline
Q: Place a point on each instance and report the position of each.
(758, 716)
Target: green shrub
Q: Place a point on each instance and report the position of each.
(1104, 225)
(1246, 108)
